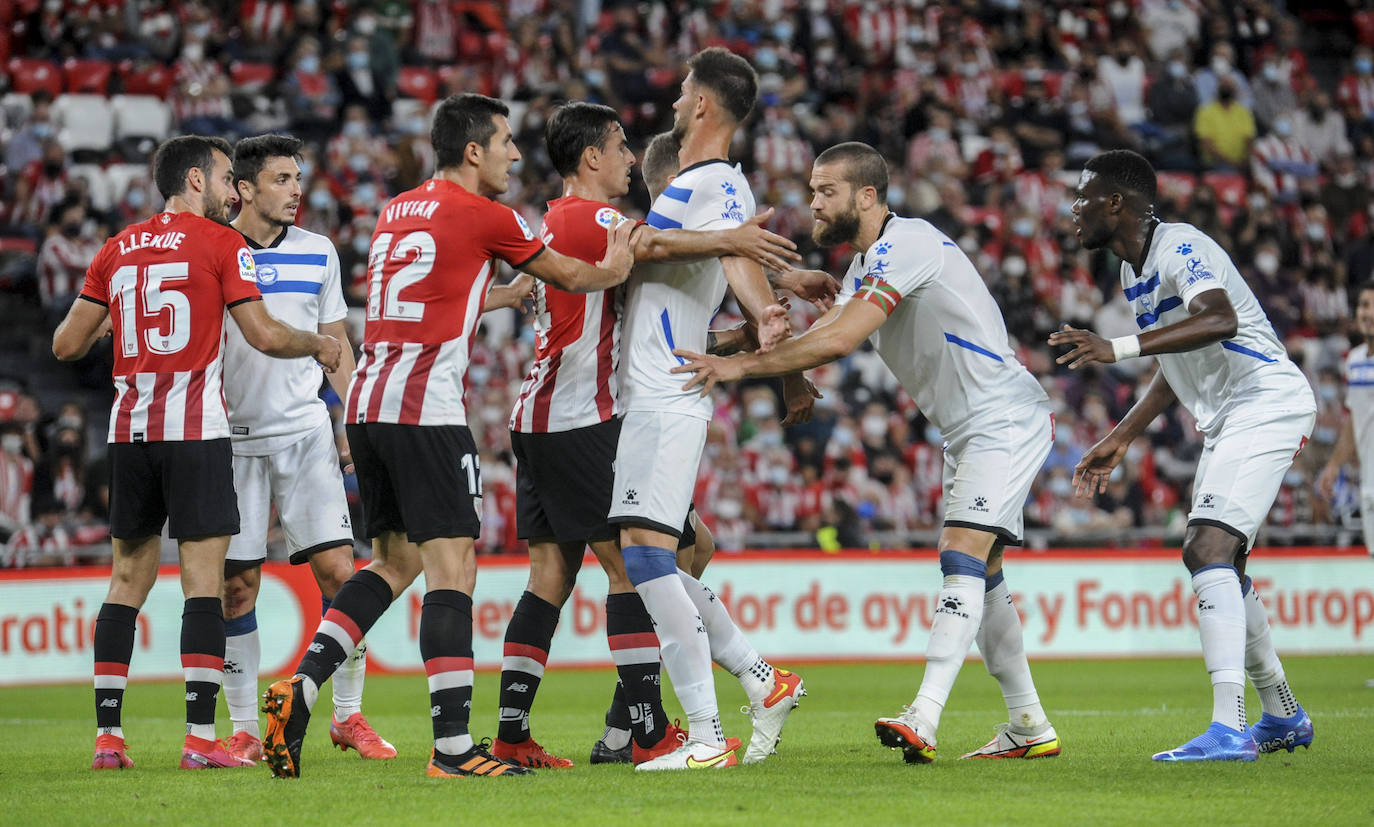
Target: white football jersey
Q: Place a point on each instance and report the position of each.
(944, 338)
(670, 306)
(274, 402)
(1247, 371)
(1359, 399)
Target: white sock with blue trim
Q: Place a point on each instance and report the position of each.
(958, 614)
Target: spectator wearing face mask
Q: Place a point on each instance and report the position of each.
(16, 481)
(1219, 69)
(1321, 129)
(1280, 166)
(1357, 86)
(1273, 91)
(64, 257)
(25, 146)
(360, 85)
(200, 98)
(1224, 130)
(312, 99)
(1345, 195)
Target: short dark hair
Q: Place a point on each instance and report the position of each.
(660, 160)
(461, 120)
(251, 154)
(1368, 284)
(1125, 171)
(178, 156)
(574, 127)
(729, 77)
(863, 166)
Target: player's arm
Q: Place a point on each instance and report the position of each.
(756, 300)
(833, 336)
(1211, 319)
(1095, 468)
(749, 240)
(270, 336)
(577, 276)
(815, 286)
(511, 295)
(1343, 453)
(86, 323)
(338, 380)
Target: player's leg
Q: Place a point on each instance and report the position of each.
(553, 572)
(1028, 733)
(1283, 724)
(1238, 477)
(697, 545)
(137, 513)
(242, 579)
(198, 484)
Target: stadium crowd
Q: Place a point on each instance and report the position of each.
(1260, 121)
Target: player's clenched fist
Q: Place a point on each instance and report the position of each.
(620, 255)
(329, 353)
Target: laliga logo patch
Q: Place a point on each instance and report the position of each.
(524, 228)
(248, 271)
(608, 217)
(267, 274)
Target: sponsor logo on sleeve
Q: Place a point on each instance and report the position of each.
(608, 217)
(1198, 271)
(247, 269)
(524, 228)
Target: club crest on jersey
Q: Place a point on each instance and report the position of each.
(608, 217)
(524, 228)
(248, 271)
(267, 274)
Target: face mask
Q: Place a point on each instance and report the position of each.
(357, 60)
(193, 52)
(1347, 180)
(1015, 266)
(777, 475)
(933, 435)
(359, 162)
(1062, 437)
(12, 443)
(42, 130)
(1329, 392)
(1267, 263)
(825, 54)
(52, 168)
(367, 25)
(874, 427)
(770, 439)
(1364, 65)
(1023, 227)
(478, 375)
(71, 421)
(306, 168)
(1256, 202)
(969, 244)
(1177, 70)
(782, 30)
(1272, 74)
(729, 509)
(792, 198)
(760, 409)
(1220, 65)
(595, 78)
(938, 133)
(766, 59)
(1283, 128)
(896, 196)
(310, 64)
(354, 129)
(1316, 230)
(71, 229)
(969, 70)
(136, 198)
(1061, 487)
(418, 126)
(1226, 95)
(842, 436)
(319, 199)
(361, 243)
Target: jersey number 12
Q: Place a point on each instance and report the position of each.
(384, 289)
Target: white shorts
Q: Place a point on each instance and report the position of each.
(656, 462)
(304, 482)
(1242, 468)
(989, 472)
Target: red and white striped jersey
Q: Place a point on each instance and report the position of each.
(572, 382)
(62, 264)
(167, 282)
(16, 489)
(429, 269)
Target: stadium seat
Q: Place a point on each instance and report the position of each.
(97, 184)
(1230, 187)
(146, 79)
(250, 77)
(84, 122)
(403, 109)
(28, 75)
(141, 116)
(1176, 185)
(121, 176)
(419, 83)
(90, 77)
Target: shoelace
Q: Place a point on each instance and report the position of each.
(363, 733)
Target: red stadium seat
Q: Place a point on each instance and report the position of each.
(1230, 187)
(1177, 185)
(28, 75)
(418, 82)
(149, 79)
(250, 77)
(87, 77)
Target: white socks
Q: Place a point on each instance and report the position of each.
(1262, 662)
(348, 683)
(1004, 652)
(686, 654)
(729, 647)
(1221, 624)
(241, 656)
(958, 614)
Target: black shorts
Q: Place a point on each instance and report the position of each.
(563, 483)
(422, 480)
(187, 485)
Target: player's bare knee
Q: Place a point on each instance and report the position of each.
(1206, 545)
(332, 568)
(241, 591)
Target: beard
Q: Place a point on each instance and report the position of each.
(679, 128)
(841, 229)
(214, 209)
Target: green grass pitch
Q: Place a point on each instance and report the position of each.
(1111, 715)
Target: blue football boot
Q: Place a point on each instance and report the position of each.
(1218, 743)
(1272, 733)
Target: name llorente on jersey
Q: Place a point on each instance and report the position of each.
(411, 209)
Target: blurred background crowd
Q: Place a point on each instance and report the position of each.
(1259, 117)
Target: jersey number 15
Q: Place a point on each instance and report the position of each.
(124, 289)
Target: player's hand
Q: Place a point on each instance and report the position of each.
(511, 295)
(1326, 482)
(750, 240)
(106, 329)
(800, 396)
(1091, 474)
(1088, 347)
(815, 286)
(708, 370)
(329, 353)
(620, 253)
(772, 328)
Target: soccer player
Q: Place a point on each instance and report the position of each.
(664, 428)
(1218, 356)
(417, 466)
(284, 449)
(917, 297)
(1357, 434)
(160, 287)
(564, 429)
